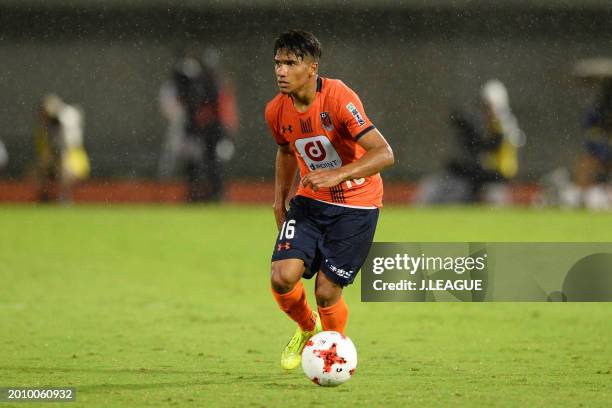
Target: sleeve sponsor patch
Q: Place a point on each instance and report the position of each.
(355, 112)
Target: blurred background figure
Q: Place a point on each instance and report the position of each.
(592, 185)
(595, 164)
(200, 107)
(171, 160)
(486, 157)
(4, 157)
(61, 159)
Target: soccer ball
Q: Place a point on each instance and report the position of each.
(329, 358)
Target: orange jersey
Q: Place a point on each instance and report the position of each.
(325, 137)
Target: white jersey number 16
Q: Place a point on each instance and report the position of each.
(288, 230)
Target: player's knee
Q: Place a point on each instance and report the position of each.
(328, 294)
(281, 278)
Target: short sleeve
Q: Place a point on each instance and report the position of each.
(352, 114)
(271, 115)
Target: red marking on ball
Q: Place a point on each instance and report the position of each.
(330, 357)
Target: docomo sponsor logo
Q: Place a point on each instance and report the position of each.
(318, 153)
(314, 150)
(412, 264)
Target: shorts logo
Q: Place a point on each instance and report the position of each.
(339, 271)
(318, 153)
(351, 108)
(286, 246)
(326, 121)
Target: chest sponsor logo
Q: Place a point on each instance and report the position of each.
(356, 114)
(326, 121)
(318, 153)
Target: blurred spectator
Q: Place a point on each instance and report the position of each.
(595, 164)
(60, 155)
(171, 159)
(4, 157)
(488, 155)
(201, 111)
(592, 188)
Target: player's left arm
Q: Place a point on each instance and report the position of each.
(378, 156)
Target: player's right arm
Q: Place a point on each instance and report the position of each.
(286, 163)
(286, 167)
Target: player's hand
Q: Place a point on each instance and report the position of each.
(322, 178)
(280, 212)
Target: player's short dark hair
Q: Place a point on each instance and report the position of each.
(300, 43)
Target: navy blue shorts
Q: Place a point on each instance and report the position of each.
(328, 238)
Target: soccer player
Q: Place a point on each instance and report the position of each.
(321, 127)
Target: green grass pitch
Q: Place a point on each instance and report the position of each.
(171, 306)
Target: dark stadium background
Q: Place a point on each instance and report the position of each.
(410, 62)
